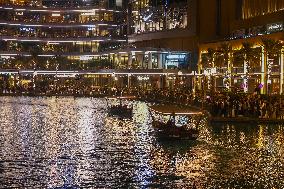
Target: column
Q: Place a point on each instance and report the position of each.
(197, 78)
(194, 83)
(128, 80)
(160, 61)
(215, 83)
(119, 60)
(263, 71)
(129, 62)
(166, 81)
(230, 72)
(245, 77)
(112, 60)
(281, 71)
(160, 82)
(139, 58)
(150, 65)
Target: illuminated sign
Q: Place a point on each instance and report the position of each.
(89, 13)
(86, 58)
(143, 78)
(20, 13)
(176, 56)
(91, 28)
(275, 27)
(55, 14)
(26, 29)
(146, 18)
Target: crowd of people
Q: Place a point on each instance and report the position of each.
(244, 105)
(217, 104)
(222, 104)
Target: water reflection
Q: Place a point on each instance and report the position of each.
(67, 142)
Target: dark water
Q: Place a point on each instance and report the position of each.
(71, 143)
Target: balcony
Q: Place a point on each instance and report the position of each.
(56, 33)
(161, 34)
(49, 54)
(101, 24)
(63, 39)
(56, 10)
(63, 16)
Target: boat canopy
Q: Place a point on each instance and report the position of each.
(122, 97)
(170, 109)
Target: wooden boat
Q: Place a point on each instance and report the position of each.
(181, 122)
(121, 110)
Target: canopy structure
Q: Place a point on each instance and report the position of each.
(170, 109)
(123, 97)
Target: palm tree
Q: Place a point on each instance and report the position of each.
(18, 62)
(34, 61)
(35, 51)
(74, 64)
(8, 63)
(272, 49)
(225, 50)
(67, 64)
(207, 59)
(55, 62)
(238, 59)
(223, 56)
(41, 63)
(62, 62)
(250, 56)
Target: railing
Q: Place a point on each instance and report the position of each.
(62, 39)
(238, 70)
(275, 69)
(67, 9)
(221, 70)
(58, 24)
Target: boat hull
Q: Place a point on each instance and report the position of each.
(122, 112)
(164, 130)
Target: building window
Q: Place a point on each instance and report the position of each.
(153, 16)
(253, 8)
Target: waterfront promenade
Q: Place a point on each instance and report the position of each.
(220, 107)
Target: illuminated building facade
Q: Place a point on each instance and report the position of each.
(247, 52)
(156, 36)
(85, 35)
(157, 15)
(152, 21)
(254, 8)
(72, 29)
(164, 24)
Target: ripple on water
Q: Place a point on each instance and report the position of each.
(70, 142)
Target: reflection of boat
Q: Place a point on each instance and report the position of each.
(172, 145)
(176, 121)
(121, 110)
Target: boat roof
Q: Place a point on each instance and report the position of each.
(170, 109)
(122, 97)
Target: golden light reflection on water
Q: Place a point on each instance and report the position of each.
(67, 142)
